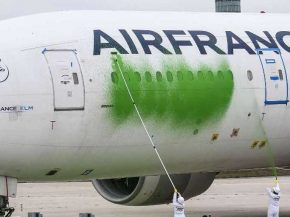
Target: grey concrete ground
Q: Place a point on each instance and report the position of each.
(225, 198)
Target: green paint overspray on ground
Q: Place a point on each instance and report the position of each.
(178, 95)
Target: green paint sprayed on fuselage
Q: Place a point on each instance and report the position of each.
(177, 95)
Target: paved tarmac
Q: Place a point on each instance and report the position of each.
(226, 198)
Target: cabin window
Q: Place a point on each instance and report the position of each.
(190, 75)
(250, 75)
(210, 75)
(138, 76)
(148, 76)
(281, 75)
(200, 75)
(114, 77)
(126, 76)
(159, 76)
(179, 75)
(220, 75)
(169, 76)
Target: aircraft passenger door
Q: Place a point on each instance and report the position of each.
(67, 79)
(275, 74)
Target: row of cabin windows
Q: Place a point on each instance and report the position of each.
(169, 76)
(181, 76)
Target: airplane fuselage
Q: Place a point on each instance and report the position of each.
(212, 89)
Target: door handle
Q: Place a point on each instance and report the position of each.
(75, 78)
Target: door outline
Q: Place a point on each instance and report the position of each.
(52, 83)
(273, 102)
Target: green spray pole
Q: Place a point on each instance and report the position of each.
(272, 161)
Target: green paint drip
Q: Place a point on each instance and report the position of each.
(179, 95)
(271, 159)
(270, 154)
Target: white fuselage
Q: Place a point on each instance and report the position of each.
(47, 123)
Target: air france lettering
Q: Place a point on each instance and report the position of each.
(16, 108)
(203, 40)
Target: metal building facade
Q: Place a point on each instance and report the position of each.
(228, 6)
